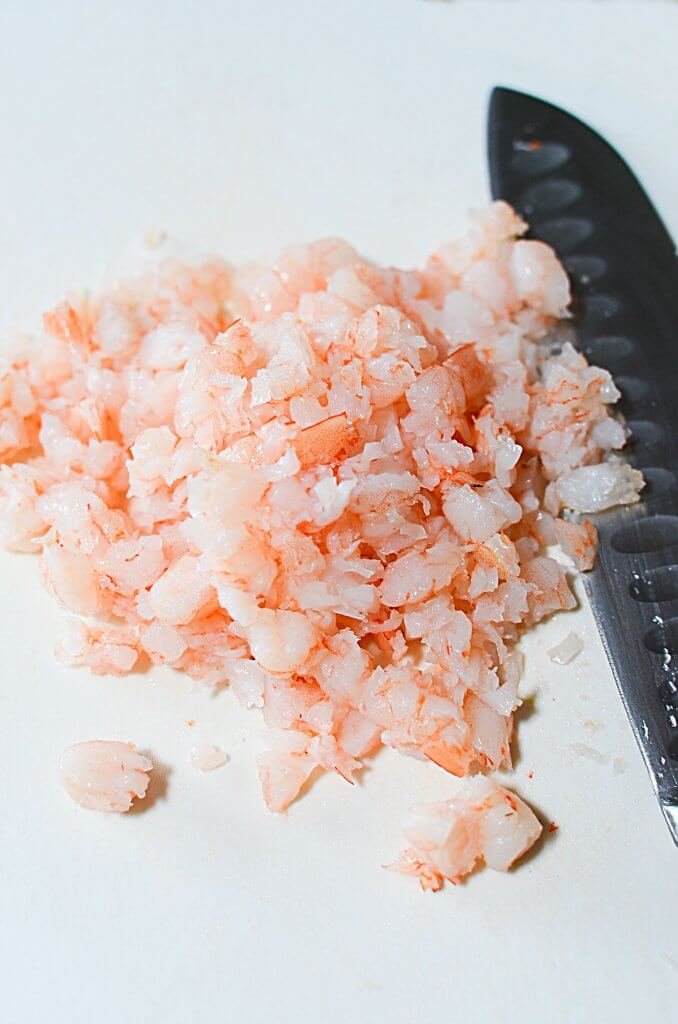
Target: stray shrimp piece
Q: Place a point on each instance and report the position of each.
(104, 775)
(206, 757)
(483, 822)
(567, 649)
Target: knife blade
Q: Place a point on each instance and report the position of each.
(579, 196)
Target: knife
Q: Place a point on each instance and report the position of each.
(580, 197)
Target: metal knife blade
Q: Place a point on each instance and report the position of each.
(579, 196)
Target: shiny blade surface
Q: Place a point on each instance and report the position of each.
(580, 197)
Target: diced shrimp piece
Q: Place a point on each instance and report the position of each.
(282, 641)
(550, 589)
(109, 650)
(388, 376)
(67, 323)
(20, 520)
(539, 278)
(488, 281)
(162, 642)
(596, 488)
(170, 346)
(181, 592)
(453, 758)
(115, 330)
(70, 577)
(579, 541)
(282, 775)
(414, 577)
(472, 515)
(473, 374)
(133, 564)
(105, 775)
(150, 463)
(491, 732)
(324, 441)
(357, 734)
(464, 318)
(484, 821)
(206, 756)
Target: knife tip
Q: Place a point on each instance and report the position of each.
(502, 97)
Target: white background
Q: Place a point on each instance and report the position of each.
(239, 126)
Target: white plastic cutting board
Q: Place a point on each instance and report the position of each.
(239, 126)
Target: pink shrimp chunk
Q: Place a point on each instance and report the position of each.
(104, 775)
(483, 822)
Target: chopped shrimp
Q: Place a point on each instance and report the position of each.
(105, 775)
(483, 821)
(328, 484)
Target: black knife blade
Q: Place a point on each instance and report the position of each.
(580, 196)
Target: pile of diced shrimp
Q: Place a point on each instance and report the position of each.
(328, 484)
